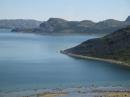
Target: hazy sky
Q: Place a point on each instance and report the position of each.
(95, 10)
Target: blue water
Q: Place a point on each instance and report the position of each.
(33, 61)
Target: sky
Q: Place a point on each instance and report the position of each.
(95, 10)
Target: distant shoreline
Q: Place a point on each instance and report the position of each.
(96, 58)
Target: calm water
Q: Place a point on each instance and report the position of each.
(33, 61)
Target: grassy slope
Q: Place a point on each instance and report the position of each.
(115, 46)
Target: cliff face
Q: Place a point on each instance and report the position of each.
(113, 46)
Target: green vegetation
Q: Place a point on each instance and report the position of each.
(115, 46)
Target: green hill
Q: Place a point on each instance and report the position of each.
(115, 46)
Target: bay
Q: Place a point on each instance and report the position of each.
(29, 61)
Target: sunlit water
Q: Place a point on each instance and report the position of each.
(30, 61)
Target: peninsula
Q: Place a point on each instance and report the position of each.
(114, 48)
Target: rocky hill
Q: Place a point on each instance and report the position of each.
(115, 46)
(61, 26)
(56, 25)
(128, 19)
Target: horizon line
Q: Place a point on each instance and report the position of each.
(62, 18)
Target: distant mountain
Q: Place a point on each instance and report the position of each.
(115, 46)
(56, 25)
(19, 23)
(61, 26)
(86, 23)
(128, 19)
(108, 26)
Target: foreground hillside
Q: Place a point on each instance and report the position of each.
(115, 46)
(61, 26)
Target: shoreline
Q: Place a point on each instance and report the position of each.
(72, 92)
(96, 58)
